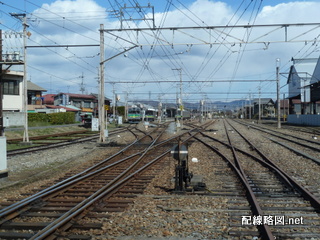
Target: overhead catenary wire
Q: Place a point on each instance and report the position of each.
(144, 57)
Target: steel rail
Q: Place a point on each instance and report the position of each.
(94, 197)
(110, 187)
(264, 229)
(53, 145)
(237, 162)
(67, 182)
(316, 160)
(315, 202)
(63, 183)
(273, 133)
(261, 161)
(49, 135)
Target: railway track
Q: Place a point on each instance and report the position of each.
(65, 210)
(243, 191)
(57, 140)
(296, 128)
(305, 145)
(280, 207)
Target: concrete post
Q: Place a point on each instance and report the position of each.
(3, 157)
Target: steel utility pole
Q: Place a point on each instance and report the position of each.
(278, 91)
(102, 122)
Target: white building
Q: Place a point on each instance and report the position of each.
(301, 76)
(304, 92)
(12, 91)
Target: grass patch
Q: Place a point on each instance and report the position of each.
(40, 132)
(16, 146)
(39, 124)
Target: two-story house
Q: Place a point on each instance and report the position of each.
(267, 108)
(87, 103)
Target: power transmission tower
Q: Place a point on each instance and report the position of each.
(82, 88)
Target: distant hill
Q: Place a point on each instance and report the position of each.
(217, 105)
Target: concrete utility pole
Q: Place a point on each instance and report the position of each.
(242, 110)
(284, 107)
(159, 110)
(25, 81)
(278, 92)
(23, 16)
(3, 140)
(180, 102)
(126, 108)
(1, 92)
(201, 110)
(259, 105)
(250, 105)
(114, 104)
(102, 122)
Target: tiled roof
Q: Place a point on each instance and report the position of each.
(48, 98)
(34, 87)
(78, 95)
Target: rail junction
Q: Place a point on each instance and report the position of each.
(251, 187)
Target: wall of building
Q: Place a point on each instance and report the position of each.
(307, 120)
(294, 86)
(13, 119)
(12, 103)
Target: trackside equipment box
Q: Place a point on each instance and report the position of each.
(3, 157)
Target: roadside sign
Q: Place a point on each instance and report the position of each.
(95, 124)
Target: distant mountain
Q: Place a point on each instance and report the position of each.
(217, 105)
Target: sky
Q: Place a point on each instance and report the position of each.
(220, 64)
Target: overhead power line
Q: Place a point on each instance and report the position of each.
(190, 81)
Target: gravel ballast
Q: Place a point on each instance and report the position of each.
(158, 214)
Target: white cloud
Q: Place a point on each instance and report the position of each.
(77, 22)
(293, 12)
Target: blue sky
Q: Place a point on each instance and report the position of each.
(152, 63)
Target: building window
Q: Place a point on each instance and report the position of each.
(86, 104)
(11, 87)
(77, 104)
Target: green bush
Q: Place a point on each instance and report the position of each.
(52, 118)
(38, 117)
(121, 110)
(61, 118)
